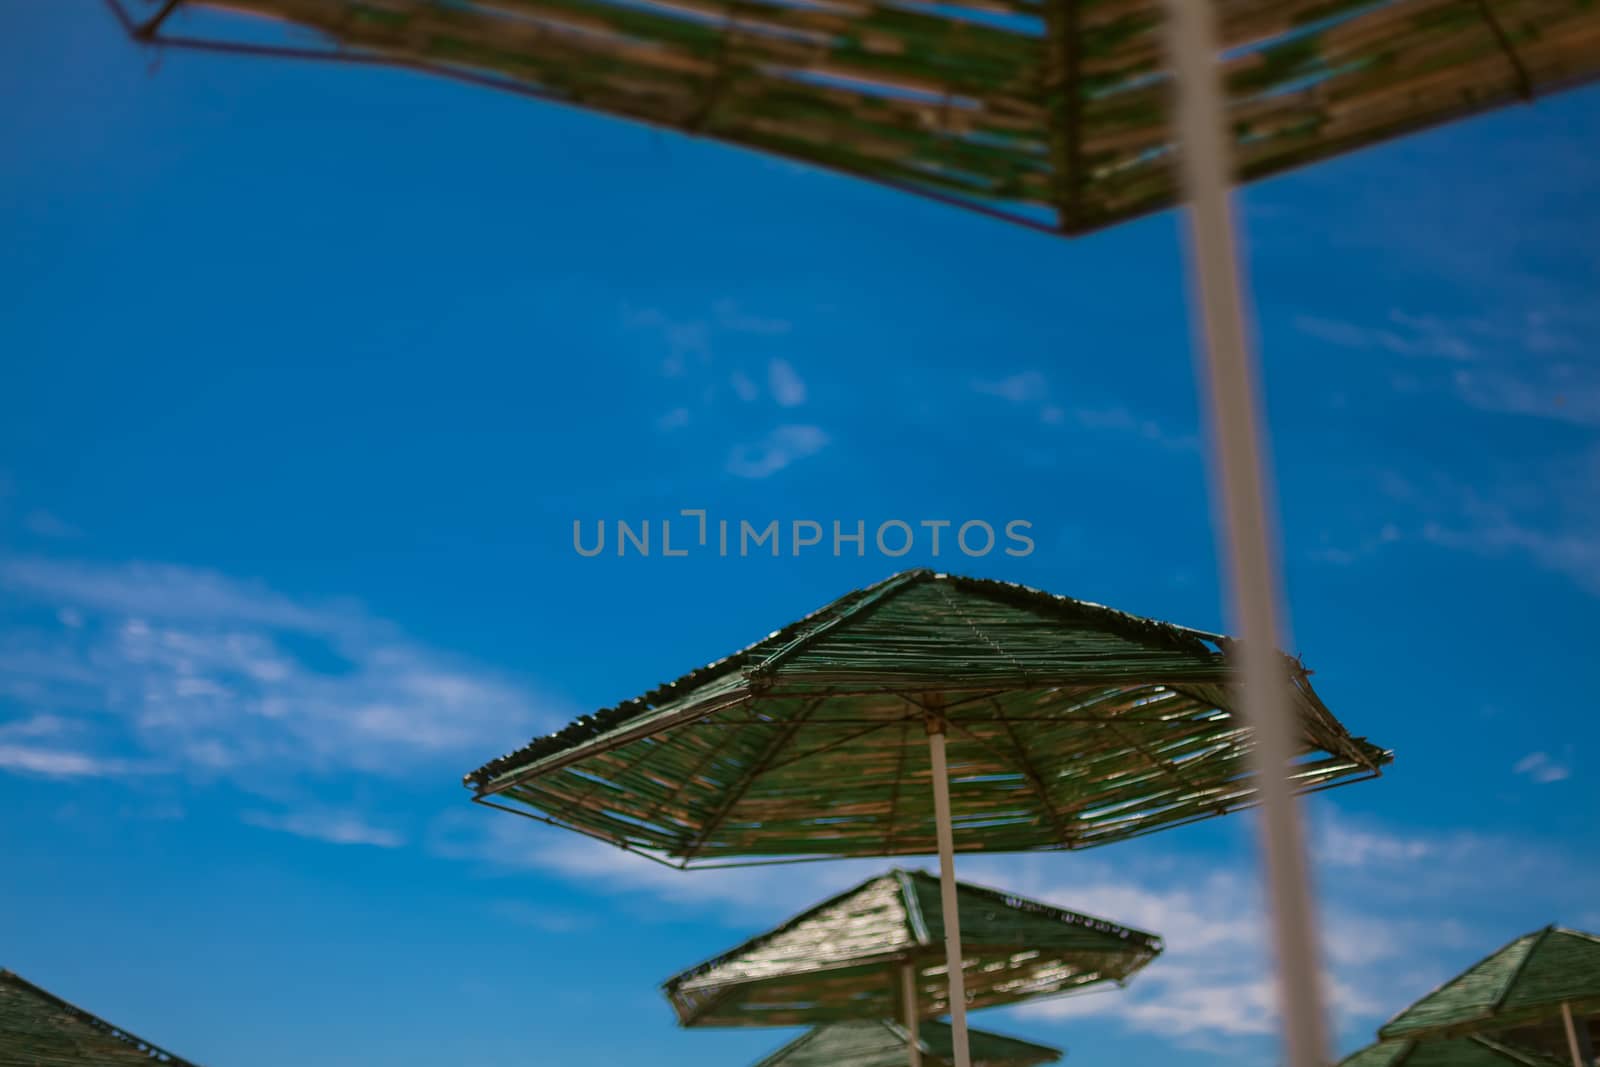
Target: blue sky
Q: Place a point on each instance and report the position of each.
(310, 371)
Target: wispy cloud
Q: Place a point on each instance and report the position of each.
(175, 668)
(59, 763)
(1213, 983)
(737, 896)
(691, 340)
(787, 388)
(731, 317)
(676, 419)
(1402, 334)
(1382, 950)
(1541, 768)
(1542, 512)
(1022, 388)
(686, 340)
(1031, 390)
(1121, 420)
(779, 449)
(745, 389)
(44, 524)
(332, 827)
(540, 917)
(1531, 363)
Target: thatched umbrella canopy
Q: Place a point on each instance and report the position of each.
(881, 1043)
(39, 1029)
(1523, 988)
(1071, 725)
(1052, 114)
(1447, 1052)
(877, 952)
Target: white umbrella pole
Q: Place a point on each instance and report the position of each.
(908, 994)
(1228, 372)
(1577, 1038)
(947, 894)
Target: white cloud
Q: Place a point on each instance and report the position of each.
(1024, 388)
(738, 896)
(684, 339)
(540, 917)
(1404, 334)
(780, 448)
(1529, 363)
(1121, 420)
(1337, 843)
(187, 669)
(59, 763)
(44, 524)
(735, 320)
(333, 827)
(675, 419)
(787, 388)
(1381, 893)
(743, 387)
(1541, 768)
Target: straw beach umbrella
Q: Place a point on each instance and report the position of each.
(39, 1029)
(1448, 1052)
(881, 1043)
(1071, 725)
(1051, 115)
(876, 951)
(1547, 977)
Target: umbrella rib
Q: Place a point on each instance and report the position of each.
(1524, 83)
(845, 740)
(981, 635)
(632, 768)
(883, 592)
(1500, 999)
(1061, 22)
(148, 30)
(1032, 775)
(721, 814)
(683, 783)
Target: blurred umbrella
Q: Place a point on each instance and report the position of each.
(1050, 115)
(1447, 1052)
(1549, 975)
(39, 1029)
(1075, 725)
(877, 952)
(880, 1043)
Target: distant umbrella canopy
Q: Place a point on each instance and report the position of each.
(1523, 984)
(841, 959)
(1070, 725)
(1447, 1052)
(39, 1029)
(1052, 113)
(880, 1043)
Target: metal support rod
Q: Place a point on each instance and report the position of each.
(947, 894)
(149, 29)
(1577, 1038)
(1226, 369)
(908, 994)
